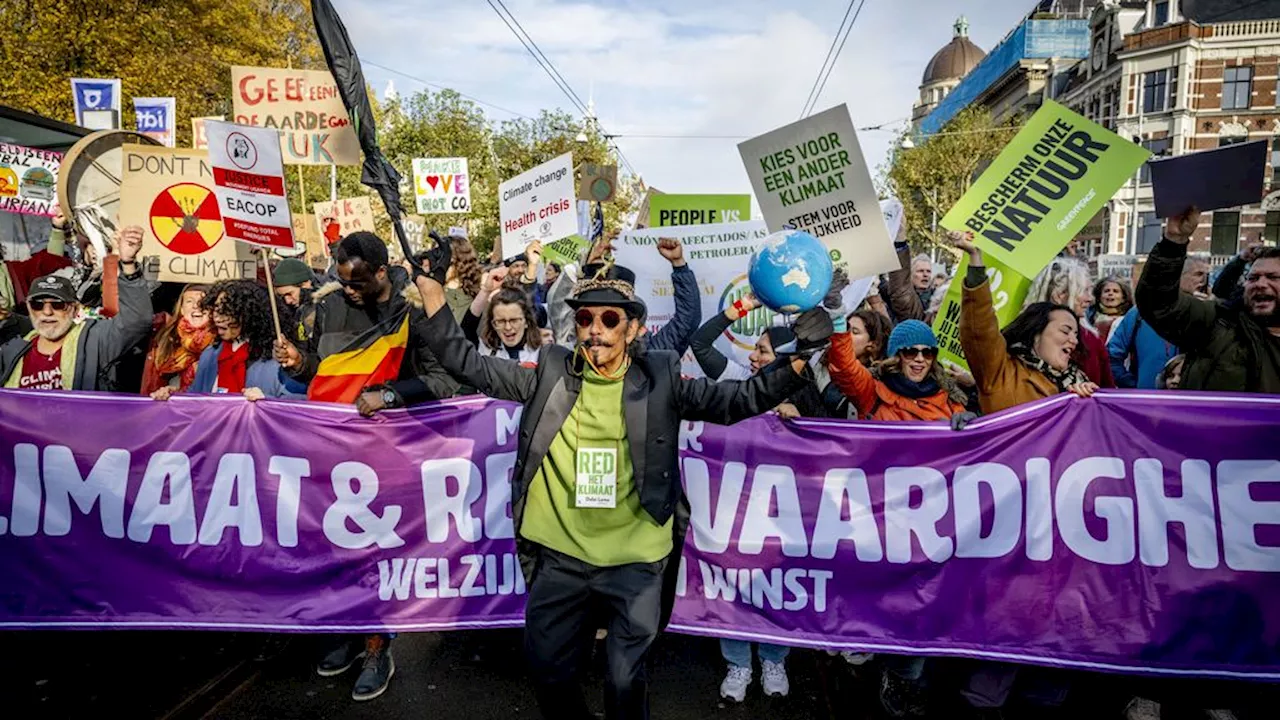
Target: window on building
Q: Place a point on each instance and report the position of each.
(1226, 232)
(1109, 109)
(1272, 232)
(1150, 230)
(1159, 148)
(1161, 14)
(1155, 91)
(1275, 161)
(1237, 88)
(1232, 140)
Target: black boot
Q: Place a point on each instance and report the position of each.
(379, 666)
(340, 658)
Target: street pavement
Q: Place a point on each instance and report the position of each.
(480, 675)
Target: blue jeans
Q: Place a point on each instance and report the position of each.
(738, 652)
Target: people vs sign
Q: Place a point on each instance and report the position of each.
(248, 170)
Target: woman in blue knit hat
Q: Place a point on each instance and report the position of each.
(909, 385)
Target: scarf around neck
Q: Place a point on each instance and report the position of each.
(1063, 379)
(233, 364)
(908, 388)
(182, 356)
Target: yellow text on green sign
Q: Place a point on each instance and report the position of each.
(1054, 177)
(667, 210)
(1008, 292)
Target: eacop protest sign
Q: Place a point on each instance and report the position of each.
(811, 175)
(1056, 175)
(248, 172)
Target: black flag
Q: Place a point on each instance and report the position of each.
(378, 173)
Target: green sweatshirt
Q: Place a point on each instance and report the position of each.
(600, 536)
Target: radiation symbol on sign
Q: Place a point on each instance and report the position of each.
(185, 219)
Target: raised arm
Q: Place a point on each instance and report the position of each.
(849, 375)
(496, 377)
(677, 334)
(984, 346)
(133, 322)
(1176, 316)
(903, 299)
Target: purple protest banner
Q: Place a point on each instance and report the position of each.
(1133, 532)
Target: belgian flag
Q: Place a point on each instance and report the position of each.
(371, 358)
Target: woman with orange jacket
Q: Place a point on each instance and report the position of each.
(909, 385)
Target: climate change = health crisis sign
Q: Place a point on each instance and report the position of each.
(1053, 178)
(537, 204)
(169, 193)
(28, 180)
(248, 173)
(811, 175)
(441, 185)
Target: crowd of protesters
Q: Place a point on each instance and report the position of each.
(70, 320)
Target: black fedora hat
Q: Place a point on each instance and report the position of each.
(607, 285)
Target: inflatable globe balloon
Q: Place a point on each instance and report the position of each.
(791, 272)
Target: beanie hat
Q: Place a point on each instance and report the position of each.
(779, 335)
(910, 333)
(291, 271)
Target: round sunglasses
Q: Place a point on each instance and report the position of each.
(609, 318)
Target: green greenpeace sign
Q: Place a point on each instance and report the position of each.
(1054, 177)
(674, 210)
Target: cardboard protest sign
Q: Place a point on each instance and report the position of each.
(1055, 175)
(718, 256)
(169, 192)
(28, 180)
(304, 106)
(415, 230)
(1225, 177)
(441, 185)
(199, 140)
(537, 204)
(1120, 266)
(340, 218)
(155, 118)
(248, 175)
(668, 210)
(597, 183)
(1008, 291)
(97, 102)
(812, 176)
(308, 235)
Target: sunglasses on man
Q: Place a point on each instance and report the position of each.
(40, 305)
(609, 318)
(912, 353)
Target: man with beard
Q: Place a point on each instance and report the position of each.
(366, 348)
(61, 354)
(597, 503)
(1234, 349)
(295, 285)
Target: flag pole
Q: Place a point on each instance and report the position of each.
(271, 290)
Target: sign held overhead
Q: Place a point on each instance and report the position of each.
(248, 171)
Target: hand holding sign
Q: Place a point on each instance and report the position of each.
(1182, 226)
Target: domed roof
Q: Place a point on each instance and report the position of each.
(956, 59)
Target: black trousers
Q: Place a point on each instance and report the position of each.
(562, 593)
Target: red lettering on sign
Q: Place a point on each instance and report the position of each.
(293, 89)
(256, 97)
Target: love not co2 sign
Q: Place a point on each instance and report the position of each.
(441, 185)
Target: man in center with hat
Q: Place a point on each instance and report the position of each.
(597, 502)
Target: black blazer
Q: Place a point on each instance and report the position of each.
(655, 400)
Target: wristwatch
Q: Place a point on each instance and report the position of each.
(389, 397)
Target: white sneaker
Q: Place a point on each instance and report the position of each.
(1142, 709)
(856, 658)
(773, 678)
(736, 683)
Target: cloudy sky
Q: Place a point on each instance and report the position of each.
(675, 67)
